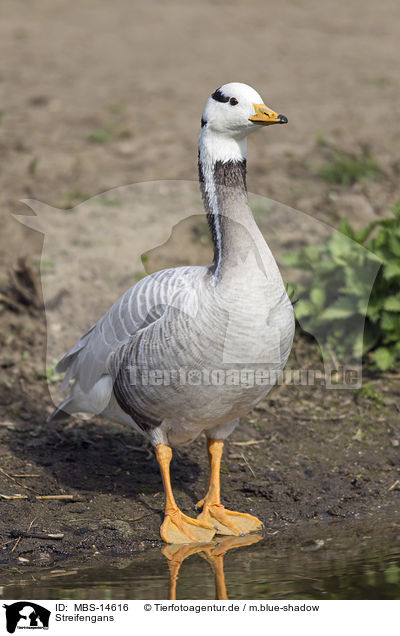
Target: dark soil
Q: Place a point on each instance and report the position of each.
(305, 457)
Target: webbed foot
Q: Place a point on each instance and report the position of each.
(179, 528)
(228, 521)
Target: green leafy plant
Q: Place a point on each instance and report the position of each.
(334, 302)
(371, 393)
(347, 170)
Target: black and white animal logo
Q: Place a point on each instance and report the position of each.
(26, 615)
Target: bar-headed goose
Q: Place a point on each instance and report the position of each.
(191, 349)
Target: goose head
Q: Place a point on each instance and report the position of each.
(237, 109)
(231, 113)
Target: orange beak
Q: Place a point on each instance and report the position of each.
(266, 117)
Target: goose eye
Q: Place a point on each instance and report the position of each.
(233, 101)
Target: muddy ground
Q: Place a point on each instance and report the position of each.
(99, 96)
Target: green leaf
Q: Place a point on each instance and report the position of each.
(312, 253)
(318, 296)
(388, 322)
(340, 247)
(336, 296)
(384, 358)
(303, 309)
(346, 229)
(394, 244)
(371, 337)
(290, 290)
(396, 209)
(374, 312)
(362, 235)
(392, 303)
(292, 259)
(358, 345)
(392, 269)
(342, 308)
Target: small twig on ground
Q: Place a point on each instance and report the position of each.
(57, 497)
(307, 418)
(26, 475)
(148, 514)
(6, 543)
(14, 480)
(20, 536)
(41, 497)
(248, 466)
(333, 439)
(55, 573)
(393, 486)
(7, 497)
(35, 535)
(16, 544)
(250, 442)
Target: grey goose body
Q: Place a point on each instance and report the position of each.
(167, 356)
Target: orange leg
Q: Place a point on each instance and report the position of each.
(213, 553)
(214, 513)
(176, 554)
(177, 527)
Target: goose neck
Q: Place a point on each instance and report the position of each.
(222, 175)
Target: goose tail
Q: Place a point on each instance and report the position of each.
(59, 413)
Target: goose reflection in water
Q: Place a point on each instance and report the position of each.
(212, 552)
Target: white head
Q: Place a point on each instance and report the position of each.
(232, 112)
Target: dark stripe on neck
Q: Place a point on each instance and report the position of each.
(209, 213)
(230, 173)
(224, 174)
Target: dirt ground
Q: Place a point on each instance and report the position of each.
(101, 95)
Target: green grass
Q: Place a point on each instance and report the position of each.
(137, 276)
(369, 392)
(346, 170)
(32, 166)
(51, 376)
(102, 135)
(381, 81)
(76, 195)
(320, 140)
(116, 109)
(46, 265)
(110, 202)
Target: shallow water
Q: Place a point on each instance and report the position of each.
(318, 569)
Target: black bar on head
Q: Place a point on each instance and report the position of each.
(219, 96)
